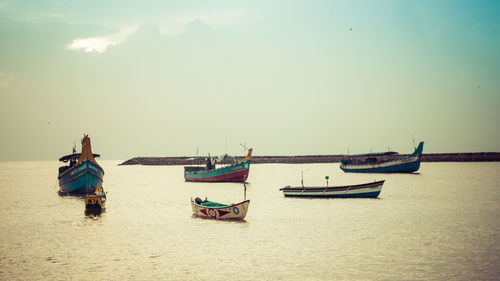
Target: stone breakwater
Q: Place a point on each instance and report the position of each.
(306, 159)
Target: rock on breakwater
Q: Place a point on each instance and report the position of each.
(306, 159)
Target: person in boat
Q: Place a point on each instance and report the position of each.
(72, 161)
(210, 166)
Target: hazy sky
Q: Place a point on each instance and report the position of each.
(161, 78)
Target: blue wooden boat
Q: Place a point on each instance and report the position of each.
(388, 162)
(237, 172)
(82, 174)
(365, 190)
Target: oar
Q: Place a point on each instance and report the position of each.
(348, 189)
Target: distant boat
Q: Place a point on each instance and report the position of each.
(209, 209)
(95, 202)
(237, 172)
(388, 162)
(365, 190)
(82, 174)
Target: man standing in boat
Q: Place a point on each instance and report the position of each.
(209, 163)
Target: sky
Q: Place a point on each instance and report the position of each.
(170, 78)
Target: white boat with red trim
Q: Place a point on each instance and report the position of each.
(214, 210)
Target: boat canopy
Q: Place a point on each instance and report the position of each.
(373, 154)
(66, 158)
(417, 151)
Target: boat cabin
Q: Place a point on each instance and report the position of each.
(71, 159)
(368, 158)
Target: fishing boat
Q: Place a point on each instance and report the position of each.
(95, 202)
(82, 174)
(387, 162)
(365, 190)
(214, 210)
(237, 172)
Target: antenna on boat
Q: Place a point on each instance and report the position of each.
(197, 150)
(413, 137)
(244, 145)
(226, 145)
(302, 180)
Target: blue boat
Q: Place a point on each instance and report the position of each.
(388, 162)
(82, 174)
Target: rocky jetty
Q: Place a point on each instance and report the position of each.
(304, 159)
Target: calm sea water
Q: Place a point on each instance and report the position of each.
(440, 224)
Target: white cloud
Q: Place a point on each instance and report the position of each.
(214, 19)
(100, 44)
(5, 79)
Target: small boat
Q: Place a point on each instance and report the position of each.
(237, 172)
(209, 209)
(82, 174)
(96, 201)
(388, 162)
(365, 190)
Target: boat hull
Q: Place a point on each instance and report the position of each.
(367, 190)
(82, 178)
(233, 211)
(409, 165)
(233, 173)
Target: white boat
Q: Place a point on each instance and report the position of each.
(365, 190)
(209, 209)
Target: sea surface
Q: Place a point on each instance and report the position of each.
(442, 223)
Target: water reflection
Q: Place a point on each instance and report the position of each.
(93, 215)
(93, 212)
(195, 216)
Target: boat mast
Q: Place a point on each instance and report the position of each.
(244, 145)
